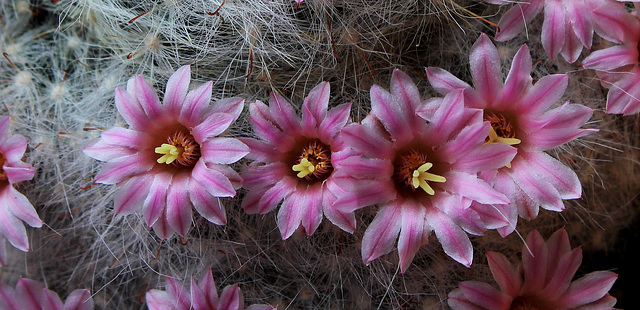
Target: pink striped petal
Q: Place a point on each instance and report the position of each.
(260, 151)
(454, 240)
(263, 124)
(231, 298)
(8, 298)
(13, 148)
(518, 80)
(514, 20)
(272, 197)
(579, 15)
(154, 205)
(534, 261)
(572, 47)
(216, 183)
(364, 193)
(118, 136)
(283, 114)
(232, 175)
(587, 289)
(233, 106)
(162, 228)
(497, 216)
(539, 190)
(405, 90)
(13, 229)
(335, 120)
(212, 126)
(195, 104)
(553, 28)
(51, 300)
(314, 108)
(485, 68)
(260, 175)
(605, 303)
(614, 23)
(79, 300)
(146, 96)
(366, 140)
(467, 185)
(206, 205)
(443, 81)
(503, 272)
(198, 299)
(345, 220)
(158, 300)
(364, 168)
(381, 234)
(448, 118)
(547, 91)
(624, 95)
(19, 206)
(131, 194)
(562, 128)
(612, 58)
(561, 177)
(176, 89)
(564, 268)
(312, 213)
(490, 156)
(119, 169)
(31, 294)
(178, 293)
(130, 110)
(208, 285)
(484, 295)
(413, 234)
(458, 301)
(179, 213)
(223, 150)
(392, 115)
(290, 213)
(100, 150)
(558, 246)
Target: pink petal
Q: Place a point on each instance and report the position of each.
(607, 302)
(562, 128)
(162, 228)
(51, 300)
(470, 186)
(579, 15)
(514, 20)
(394, 117)
(178, 293)
(547, 91)
(614, 23)
(13, 148)
(231, 298)
(233, 106)
(198, 299)
(553, 28)
(312, 213)
(19, 206)
(130, 110)
(8, 298)
(232, 175)
(216, 183)
(119, 169)
(572, 47)
(271, 197)
(118, 136)
(485, 68)
(283, 114)
(503, 272)
(564, 270)
(561, 177)
(367, 140)
(176, 90)
(558, 246)
(212, 126)
(612, 58)
(79, 300)
(589, 288)
(259, 150)
(465, 145)
(13, 229)
(458, 301)
(291, 212)
(336, 119)
(314, 108)
(30, 294)
(154, 205)
(159, 300)
(541, 192)
(208, 286)
(145, 95)
(448, 118)
(345, 220)
(100, 150)
(381, 234)
(405, 90)
(413, 234)
(178, 210)
(223, 150)
(497, 216)
(624, 95)
(208, 206)
(519, 79)
(260, 175)
(131, 194)
(195, 104)
(443, 81)
(263, 124)
(484, 295)
(490, 156)
(534, 261)
(364, 168)
(454, 240)
(362, 193)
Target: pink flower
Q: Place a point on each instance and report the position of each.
(568, 24)
(543, 281)
(423, 174)
(13, 205)
(203, 296)
(170, 158)
(520, 116)
(295, 161)
(618, 67)
(30, 294)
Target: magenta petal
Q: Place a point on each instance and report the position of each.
(614, 23)
(336, 119)
(145, 95)
(52, 301)
(589, 288)
(454, 240)
(231, 298)
(216, 183)
(365, 168)
(271, 198)
(579, 15)
(563, 127)
(260, 151)
(565, 268)
(208, 206)
(283, 114)
(485, 68)
(130, 110)
(233, 106)
(448, 118)
(179, 212)
(314, 108)
(363, 139)
(259, 175)
(547, 91)
(443, 81)
(212, 126)
(154, 205)
(291, 212)
(79, 300)
(19, 206)
(13, 229)
(470, 186)
(513, 21)
(561, 177)
(572, 47)
(503, 272)
(534, 261)
(8, 297)
(31, 294)
(176, 89)
(159, 300)
(312, 213)
(100, 150)
(553, 28)
(458, 301)
(541, 192)
(623, 95)
(345, 220)
(208, 287)
(394, 117)
(612, 58)
(413, 234)
(178, 293)
(198, 299)
(195, 104)
(119, 169)
(223, 150)
(131, 194)
(558, 245)
(381, 234)
(263, 124)
(519, 77)
(162, 228)
(490, 156)
(405, 90)
(484, 295)
(364, 193)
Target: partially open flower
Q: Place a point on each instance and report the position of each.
(520, 116)
(423, 174)
(14, 206)
(203, 296)
(171, 157)
(30, 294)
(295, 161)
(542, 281)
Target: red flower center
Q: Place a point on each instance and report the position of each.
(500, 124)
(3, 174)
(181, 149)
(314, 163)
(410, 171)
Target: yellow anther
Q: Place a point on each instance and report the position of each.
(170, 153)
(421, 176)
(305, 167)
(493, 138)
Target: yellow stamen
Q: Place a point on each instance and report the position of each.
(170, 153)
(493, 138)
(421, 176)
(305, 167)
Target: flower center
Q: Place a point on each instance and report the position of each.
(181, 149)
(314, 162)
(530, 303)
(411, 170)
(501, 131)
(3, 174)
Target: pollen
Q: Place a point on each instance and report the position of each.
(421, 176)
(181, 149)
(411, 171)
(314, 162)
(501, 131)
